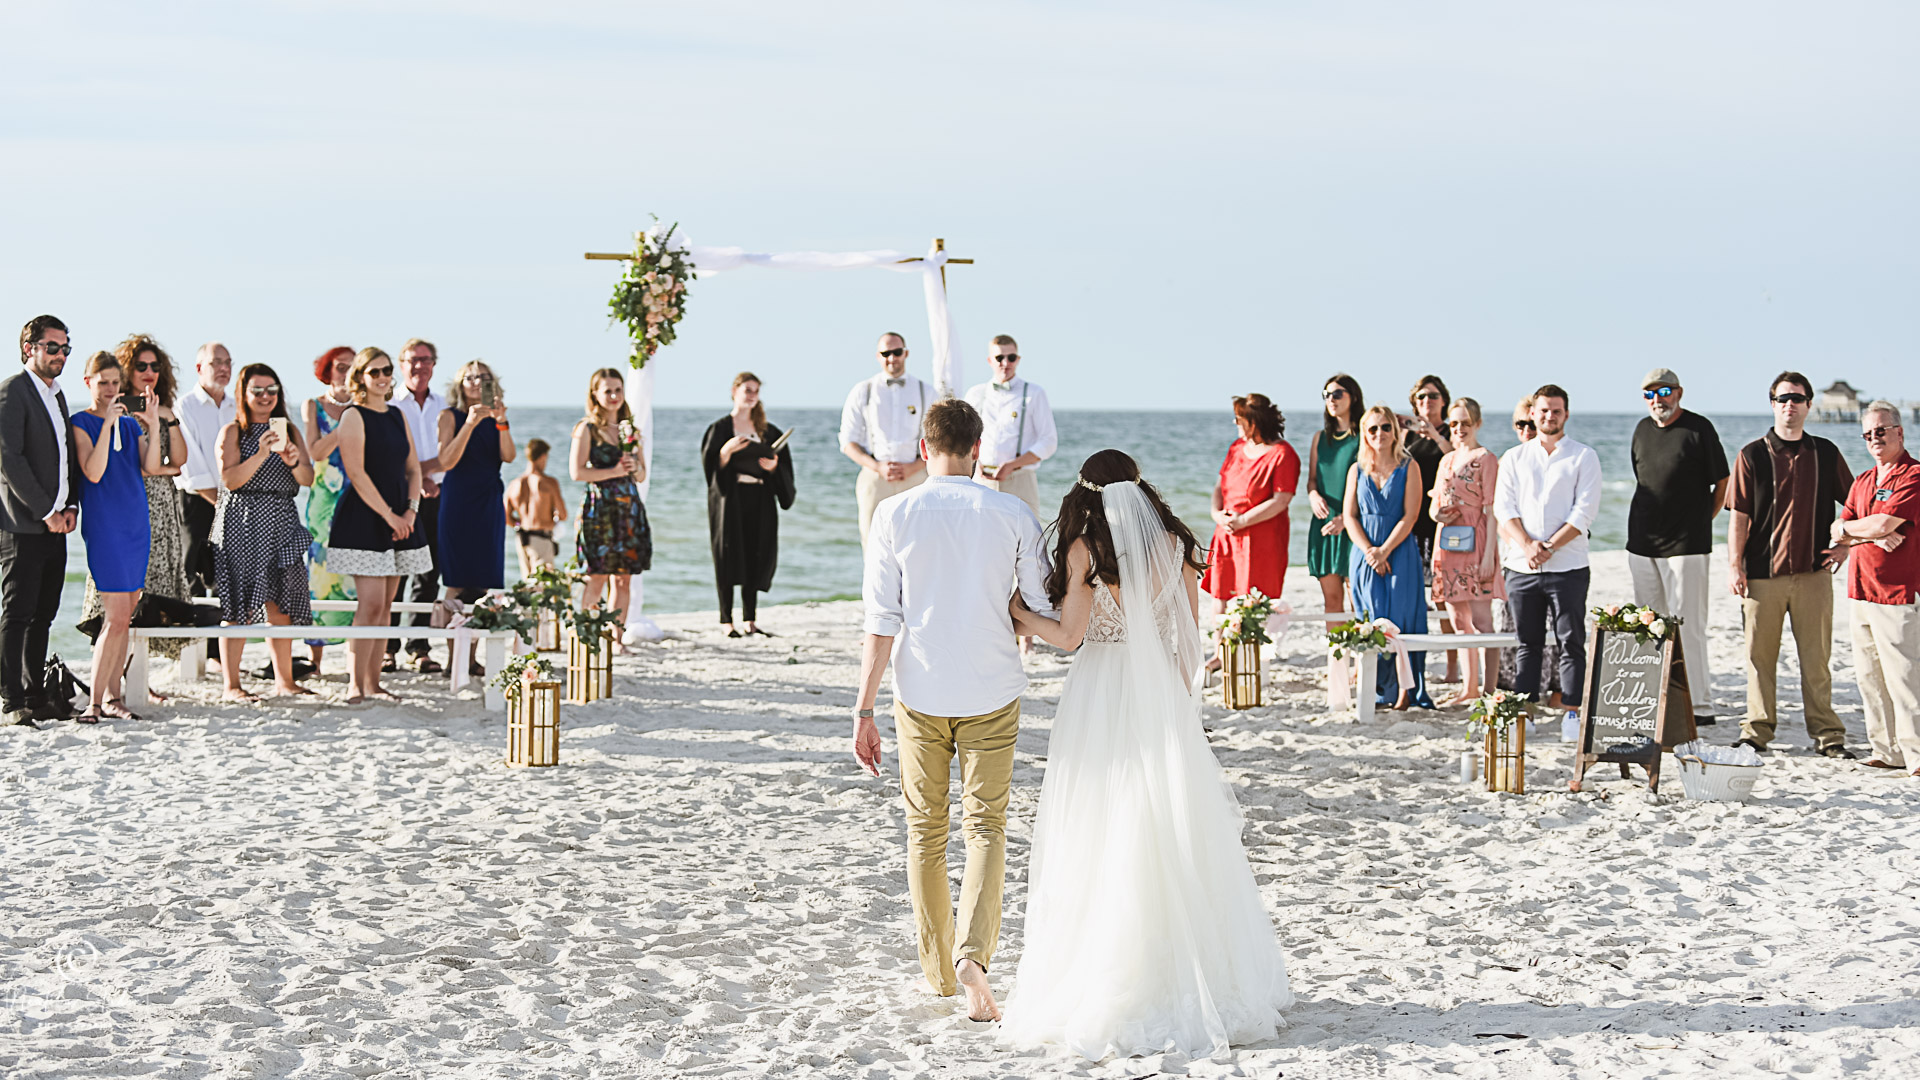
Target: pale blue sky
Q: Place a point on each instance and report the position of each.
(1170, 202)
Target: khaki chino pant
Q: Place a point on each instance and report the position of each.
(1024, 483)
(1807, 599)
(872, 489)
(928, 745)
(1886, 661)
(1677, 585)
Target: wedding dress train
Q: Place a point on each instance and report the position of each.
(1144, 929)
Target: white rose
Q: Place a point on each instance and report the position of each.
(1659, 628)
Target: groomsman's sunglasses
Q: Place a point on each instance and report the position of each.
(1008, 358)
(1793, 399)
(891, 354)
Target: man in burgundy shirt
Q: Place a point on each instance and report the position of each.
(1786, 487)
(1883, 581)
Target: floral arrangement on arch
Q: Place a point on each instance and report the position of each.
(651, 297)
(1494, 711)
(1358, 636)
(1244, 622)
(1644, 623)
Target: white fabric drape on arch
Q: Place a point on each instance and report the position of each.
(941, 331)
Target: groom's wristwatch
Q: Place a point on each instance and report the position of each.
(864, 714)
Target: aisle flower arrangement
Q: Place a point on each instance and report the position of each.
(1494, 711)
(651, 297)
(1244, 622)
(1498, 721)
(1356, 637)
(1644, 623)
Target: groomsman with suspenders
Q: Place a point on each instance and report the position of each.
(880, 429)
(1019, 427)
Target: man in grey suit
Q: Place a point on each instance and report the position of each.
(39, 505)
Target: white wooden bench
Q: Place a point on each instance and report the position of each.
(193, 657)
(494, 642)
(1369, 662)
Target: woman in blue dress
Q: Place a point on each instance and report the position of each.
(115, 454)
(1388, 581)
(474, 442)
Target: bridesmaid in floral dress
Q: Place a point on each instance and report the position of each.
(1468, 582)
(321, 420)
(614, 539)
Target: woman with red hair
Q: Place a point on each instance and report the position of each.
(1257, 481)
(321, 416)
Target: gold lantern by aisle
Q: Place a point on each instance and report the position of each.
(1240, 674)
(533, 722)
(1504, 760)
(546, 630)
(589, 667)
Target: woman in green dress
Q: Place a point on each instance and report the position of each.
(1335, 449)
(322, 421)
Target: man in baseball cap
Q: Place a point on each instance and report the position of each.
(1680, 483)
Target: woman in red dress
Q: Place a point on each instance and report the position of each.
(1257, 481)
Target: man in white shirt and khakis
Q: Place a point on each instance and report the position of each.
(1546, 498)
(943, 561)
(880, 429)
(1019, 432)
(421, 405)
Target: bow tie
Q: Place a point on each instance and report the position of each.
(897, 382)
(1003, 386)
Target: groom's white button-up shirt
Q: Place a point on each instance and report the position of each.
(942, 562)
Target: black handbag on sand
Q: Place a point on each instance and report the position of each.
(159, 611)
(62, 685)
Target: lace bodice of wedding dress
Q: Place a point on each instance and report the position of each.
(1106, 626)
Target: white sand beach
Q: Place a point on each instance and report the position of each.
(708, 886)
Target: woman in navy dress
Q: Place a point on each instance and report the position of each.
(260, 547)
(115, 454)
(1388, 580)
(373, 537)
(474, 442)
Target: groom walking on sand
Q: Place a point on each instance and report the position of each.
(943, 560)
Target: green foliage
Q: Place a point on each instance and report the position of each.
(651, 296)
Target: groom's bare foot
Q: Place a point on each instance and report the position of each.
(973, 983)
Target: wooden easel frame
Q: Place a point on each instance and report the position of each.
(1675, 694)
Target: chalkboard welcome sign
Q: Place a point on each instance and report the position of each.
(1634, 690)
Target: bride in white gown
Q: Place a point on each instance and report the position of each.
(1144, 929)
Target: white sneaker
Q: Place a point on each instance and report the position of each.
(1570, 726)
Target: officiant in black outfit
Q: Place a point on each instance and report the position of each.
(746, 477)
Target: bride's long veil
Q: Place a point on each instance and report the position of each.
(1153, 590)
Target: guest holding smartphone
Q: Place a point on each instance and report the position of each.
(475, 440)
(260, 546)
(114, 453)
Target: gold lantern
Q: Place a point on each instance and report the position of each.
(1240, 674)
(1504, 761)
(589, 668)
(546, 630)
(533, 723)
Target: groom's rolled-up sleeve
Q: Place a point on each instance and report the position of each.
(880, 585)
(1031, 567)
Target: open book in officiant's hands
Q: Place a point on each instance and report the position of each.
(780, 442)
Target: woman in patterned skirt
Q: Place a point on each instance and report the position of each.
(321, 428)
(614, 541)
(260, 547)
(374, 536)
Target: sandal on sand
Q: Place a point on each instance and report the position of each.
(117, 708)
(1876, 763)
(91, 716)
(240, 697)
(385, 694)
(757, 630)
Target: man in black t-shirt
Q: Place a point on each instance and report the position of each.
(1680, 484)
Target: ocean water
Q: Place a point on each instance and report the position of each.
(1180, 452)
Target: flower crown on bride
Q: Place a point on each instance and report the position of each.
(1090, 485)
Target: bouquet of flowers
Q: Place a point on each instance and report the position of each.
(1644, 623)
(1494, 711)
(1245, 620)
(651, 297)
(1358, 636)
(503, 611)
(629, 438)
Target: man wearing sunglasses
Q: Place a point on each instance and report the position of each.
(880, 430)
(1019, 432)
(1680, 484)
(1883, 581)
(1787, 486)
(39, 505)
(204, 412)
